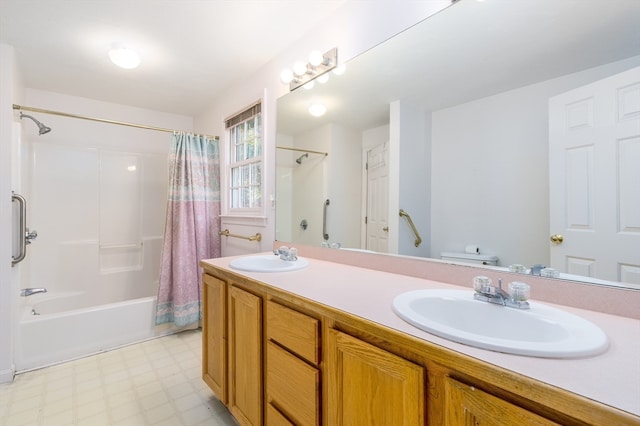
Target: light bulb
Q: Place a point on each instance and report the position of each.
(124, 57)
(317, 110)
(323, 78)
(299, 68)
(316, 58)
(309, 85)
(286, 76)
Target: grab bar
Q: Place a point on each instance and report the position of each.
(413, 227)
(324, 220)
(226, 233)
(22, 203)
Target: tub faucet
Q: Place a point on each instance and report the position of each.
(29, 291)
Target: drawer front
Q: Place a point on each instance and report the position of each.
(275, 417)
(297, 332)
(293, 386)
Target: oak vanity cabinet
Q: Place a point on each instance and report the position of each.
(292, 382)
(214, 335)
(245, 356)
(469, 406)
(277, 359)
(370, 386)
(232, 348)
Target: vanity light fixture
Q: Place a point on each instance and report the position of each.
(124, 57)
(303, 73)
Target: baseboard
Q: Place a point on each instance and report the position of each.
(6, 376)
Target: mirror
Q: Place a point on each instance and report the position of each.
(450, 122)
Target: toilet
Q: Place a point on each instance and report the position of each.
(482, 259)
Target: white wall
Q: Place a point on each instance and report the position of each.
(10, 88)
(498, 201)
(344, 183)
(353, 29)
(409, 175)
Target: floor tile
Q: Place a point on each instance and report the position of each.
(156, 382)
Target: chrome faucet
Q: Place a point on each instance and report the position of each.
(516, 298)
(289, 254)
(29, 291)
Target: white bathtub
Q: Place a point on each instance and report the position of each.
(65, 329)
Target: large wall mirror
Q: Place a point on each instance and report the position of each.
(492, 126)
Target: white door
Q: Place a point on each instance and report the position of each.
(594, 167)
(377, 229)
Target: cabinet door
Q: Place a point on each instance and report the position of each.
(369, 386)
(469, 406)
(214, 336)
(245, 357)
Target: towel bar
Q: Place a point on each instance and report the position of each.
(226, 233)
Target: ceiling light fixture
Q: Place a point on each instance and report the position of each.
(317, 110)
(303, 73)
(124, 57)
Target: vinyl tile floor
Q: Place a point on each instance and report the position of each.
(156, 382)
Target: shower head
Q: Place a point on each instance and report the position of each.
(42, 129)
(299, 159)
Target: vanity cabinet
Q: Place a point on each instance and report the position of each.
(214, 335)
(245, 356)
(469, 406)
(232, 347)
(278, 359)
(370, 386)
(292, 381)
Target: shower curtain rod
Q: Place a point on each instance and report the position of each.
(303, 150)
(101, 120)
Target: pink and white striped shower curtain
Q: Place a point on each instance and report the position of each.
(191, 229)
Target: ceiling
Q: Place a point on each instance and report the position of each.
(191, 50)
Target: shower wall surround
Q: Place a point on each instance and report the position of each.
(96, 193)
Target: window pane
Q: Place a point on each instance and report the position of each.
(245, 168)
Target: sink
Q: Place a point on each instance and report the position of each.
(267, 263)
(541, 331)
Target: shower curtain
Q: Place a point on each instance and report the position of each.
(191, 229)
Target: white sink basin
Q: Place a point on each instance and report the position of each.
(540, 331)
(267, 263)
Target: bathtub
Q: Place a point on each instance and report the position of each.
(56, 328)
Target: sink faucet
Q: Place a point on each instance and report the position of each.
(289, 254)
(515, 298)
(29, 291)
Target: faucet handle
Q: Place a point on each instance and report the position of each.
(482, 284)
(519, 291)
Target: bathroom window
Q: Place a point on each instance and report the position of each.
(244, 178)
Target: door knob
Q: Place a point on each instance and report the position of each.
(385, 229)
(557, 239)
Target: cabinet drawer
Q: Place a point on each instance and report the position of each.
(292, 386)
(293, 330)
(275, 418)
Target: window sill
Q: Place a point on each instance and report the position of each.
(244, 220)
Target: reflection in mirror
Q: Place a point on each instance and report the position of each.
(494, 125)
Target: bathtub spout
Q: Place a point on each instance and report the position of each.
(29, 291)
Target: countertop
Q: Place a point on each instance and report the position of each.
(612, 378)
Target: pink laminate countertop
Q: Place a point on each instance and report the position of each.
(612, 378)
